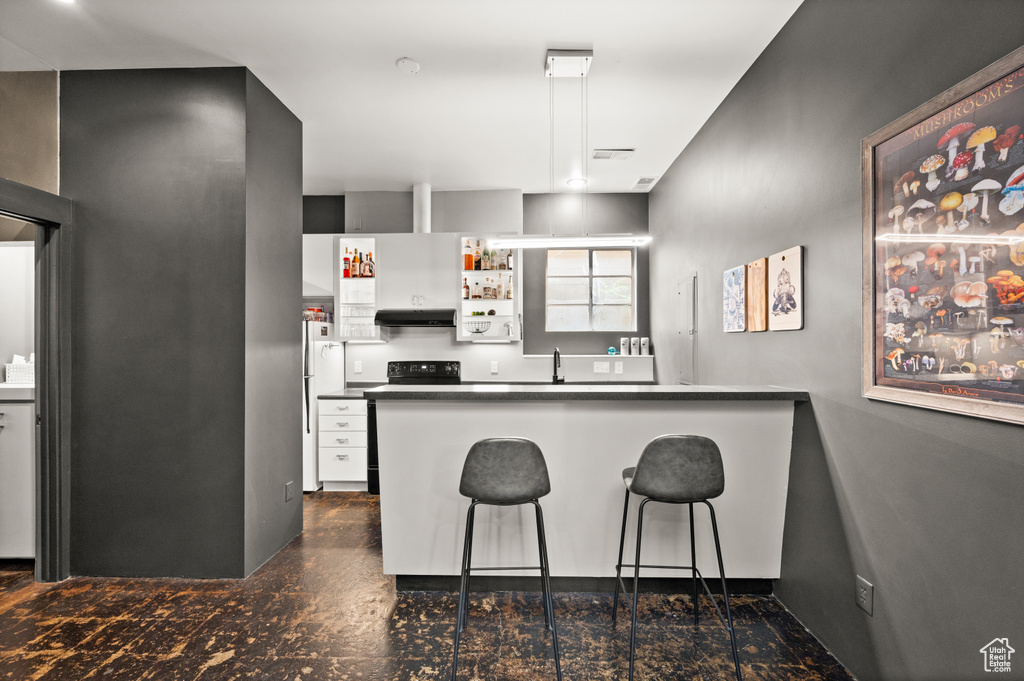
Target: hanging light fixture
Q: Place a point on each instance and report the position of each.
(570, 64)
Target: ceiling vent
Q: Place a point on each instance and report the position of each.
(612, 154)
(644, 183)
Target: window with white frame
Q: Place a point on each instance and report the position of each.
(590, 289)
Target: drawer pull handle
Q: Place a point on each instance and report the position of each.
(343, 457)
(342, 440)
(342, 424)
(342, 408)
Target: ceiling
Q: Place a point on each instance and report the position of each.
(478, 115)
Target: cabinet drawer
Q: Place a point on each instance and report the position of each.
(330, 422)
(342, 438)
(342, 406)
(343, 463)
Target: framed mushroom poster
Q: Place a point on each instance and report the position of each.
(943, 314)
(734, 308)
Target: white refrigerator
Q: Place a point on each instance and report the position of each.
(323, 371)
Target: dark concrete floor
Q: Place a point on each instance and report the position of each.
(321, 609)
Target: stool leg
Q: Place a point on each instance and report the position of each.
(467, 548)
(693, 572)
(468, 557)
(618, 566)
(545, 575)
(725, 590)
(636, 585)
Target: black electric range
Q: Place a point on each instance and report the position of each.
(429, 372)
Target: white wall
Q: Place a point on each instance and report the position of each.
(17, 300)
(513, 365)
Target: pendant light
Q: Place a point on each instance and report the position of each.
(570, 64)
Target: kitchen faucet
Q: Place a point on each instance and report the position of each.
(555, 378)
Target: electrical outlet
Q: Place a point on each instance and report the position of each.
(289, 491)
(494, 367)
(865, 595)
(600, 367)
(618, 367)
(357, 366)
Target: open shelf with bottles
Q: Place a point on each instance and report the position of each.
(357, 295)
(489, 309)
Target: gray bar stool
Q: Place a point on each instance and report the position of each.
(675, 469)
(506, 471)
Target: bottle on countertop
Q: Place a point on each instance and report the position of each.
(465, 289)
(346, 266)
(476, 256)
(467, 255)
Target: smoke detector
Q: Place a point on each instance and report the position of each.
(407, 65)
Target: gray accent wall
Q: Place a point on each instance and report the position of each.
(183, 265)
(563, 215)
(273, 336)
(925, 505)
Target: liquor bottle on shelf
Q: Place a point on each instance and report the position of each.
(503, 259)
(499, 290)
(488, 289)
(485, 259)
(465, 289)
(346, 266)
(467, 255)
(356, 262)
(477, 289)
(510, 258)
(368, 266)
(494, 259)
(508, 291)
(476, 256)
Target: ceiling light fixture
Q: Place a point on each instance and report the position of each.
(576, 182)
(994, 239)
(405, 65)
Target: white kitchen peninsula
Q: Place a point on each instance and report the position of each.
(588, 434)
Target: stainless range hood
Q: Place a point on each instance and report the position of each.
(418, 317)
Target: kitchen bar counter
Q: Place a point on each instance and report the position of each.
(588, 434)
(583, 391)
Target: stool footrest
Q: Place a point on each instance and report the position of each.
(516, 567)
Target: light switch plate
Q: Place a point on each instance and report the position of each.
(601, 367)
(494, 367)
(357, 366)
(618, 367)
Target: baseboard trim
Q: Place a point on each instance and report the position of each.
(662, 585)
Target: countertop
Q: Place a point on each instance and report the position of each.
(576, 391)
(347, 393)
(17, 392)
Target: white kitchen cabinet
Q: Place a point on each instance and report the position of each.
(415, 270)
(319, 265)
(17, 480)
(342, 444)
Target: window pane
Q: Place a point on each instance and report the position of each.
(568, 318)
(568, 290)
(613, 318)
(613, 290)
(568, 263)
(613, 263)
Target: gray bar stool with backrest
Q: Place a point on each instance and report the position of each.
(506, 471)
(675, 469)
